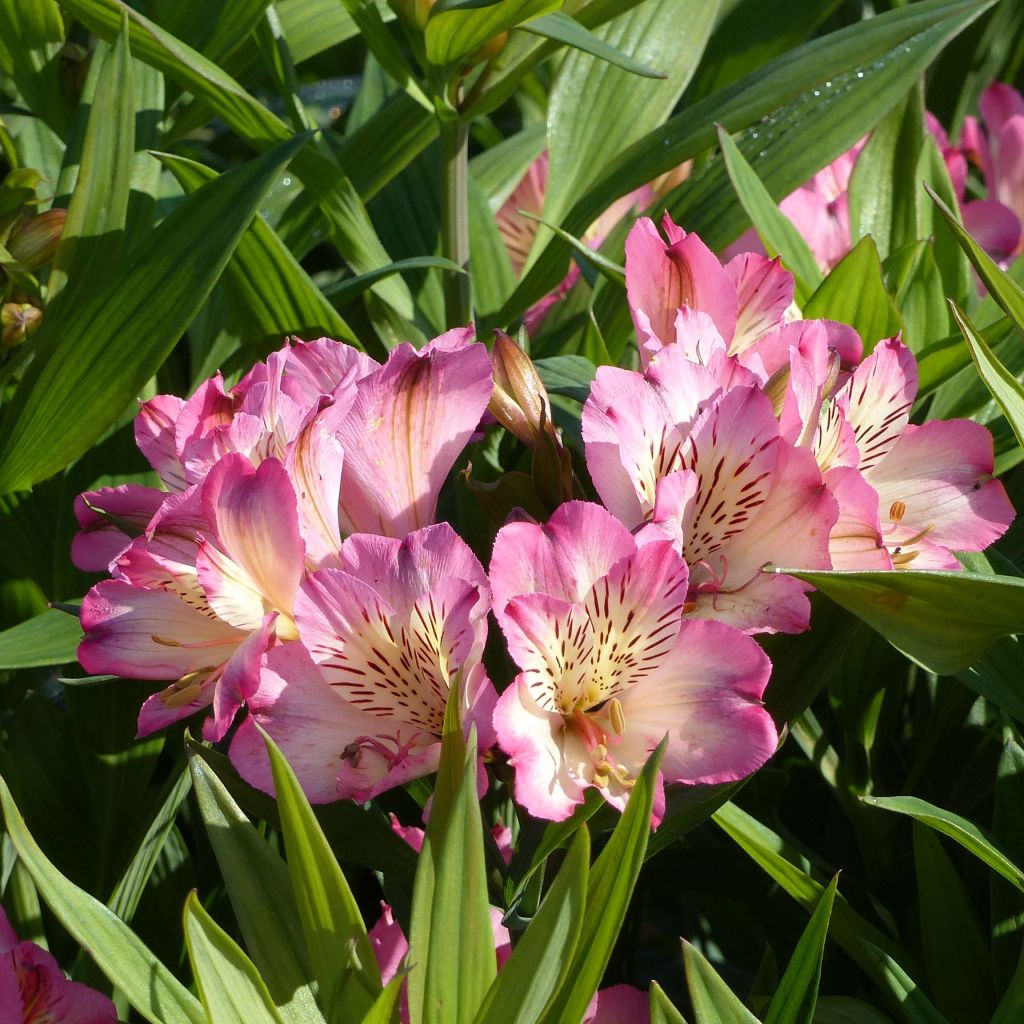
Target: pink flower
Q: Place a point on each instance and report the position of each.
(679, 293)
(998, 148)
(518, 231)
(709, 468)
(34, 990)
(909, 495)
(619, 1004)
(358, 706)
(201, 596)
(609, 666)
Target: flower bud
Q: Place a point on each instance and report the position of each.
(488, 51)
(413, 13)
(519, 401)
(18, 320)
(34, 239)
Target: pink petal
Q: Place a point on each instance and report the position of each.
(140, 633)
(708, 700)
(100, 538)
(409, 423)
(534, 739)
(321, 367)
(154, 434)
(239, 680)
(619, 1004)
(174, 704)
(517, 231)
(697, 338)
(256, 557)
(855, 541)
(402, 571)
(995, 226)
(877, 400)
(764, 290)
(563, 558)
(211, 406)
(309, 722)
(823, 222)
(998, 104)
(941, 472)
(661, 278)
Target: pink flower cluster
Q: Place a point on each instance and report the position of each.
(293, 564)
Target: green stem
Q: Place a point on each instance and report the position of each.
(455, 219)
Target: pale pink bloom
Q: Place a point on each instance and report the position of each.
(34, 990)
(910, 495)
(679, 293)
(518, 231)
(201, 595)
(414, 836)
(998, 148)
(610, 666)
(358, 706)
(710, 469)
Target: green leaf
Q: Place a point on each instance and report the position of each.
(570, 376)
(609, 889)
(562, 29)
(956, 953)
(1001, 286)
(867, 66)
(843, 1010)
(385, 1007)
(350, 288)
(93, 236)
(662, 1010)
(452, 970)
(540, 962)
(118, 952)
(589, 91)
(453, 34)
(48, 639)
(260, 891)
(1005, 388)
(776, 231)
(272, 295)
(1011, 1007)
(343, 962)
(884, 185)
(797, 995)
(713, 1001)
(125, 899)
(93, 356)
(786, 866)
(967, 834)
(913, 1003)
(347, 221)
(944, 621)
(230, 986)
(854, 293)
(382, 45)
(918, 293)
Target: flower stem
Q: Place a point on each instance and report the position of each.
(455, 219)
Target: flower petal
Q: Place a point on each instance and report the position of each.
(764, 290)
(707, 699)
(103, 517)
(155, 428)
(938, 478)
(409, 422)
(563, 558)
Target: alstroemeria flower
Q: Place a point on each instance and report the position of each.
(920, 492)
(201, 595)
(610, 665)
(710, 469)
(358, 706)
(732, 307)
(518, 231)
(34, 990)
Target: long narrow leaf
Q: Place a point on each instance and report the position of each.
(118, 952)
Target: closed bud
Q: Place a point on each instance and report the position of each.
(519, 401)
(34, 239)
(488, 51)
(18, 321)
(413, 13)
